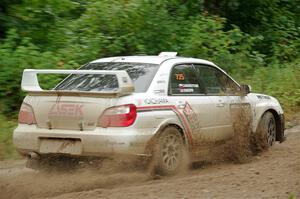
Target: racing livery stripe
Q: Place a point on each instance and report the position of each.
(182, 118)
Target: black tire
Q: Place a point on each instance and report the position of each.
(266, 132)
(170, 154)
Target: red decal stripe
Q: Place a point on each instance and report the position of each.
(178, 113)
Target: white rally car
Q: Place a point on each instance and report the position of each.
(141, 106)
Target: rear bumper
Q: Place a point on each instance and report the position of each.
(99, 142)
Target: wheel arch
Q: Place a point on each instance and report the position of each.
(180, 129)
(279, 121)
(175, 124)
(160, 130)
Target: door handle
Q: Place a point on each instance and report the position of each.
(220, 104)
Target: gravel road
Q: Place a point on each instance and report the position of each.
(273, 174)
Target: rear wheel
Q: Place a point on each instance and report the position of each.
(169, 154)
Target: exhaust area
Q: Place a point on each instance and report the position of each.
(33, 156)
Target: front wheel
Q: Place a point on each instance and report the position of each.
(169, 153)
(266, 131)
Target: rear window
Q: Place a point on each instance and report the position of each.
(140, 73)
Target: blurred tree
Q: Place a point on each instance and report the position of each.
(4, 16)
(243, 37)
(277, 21)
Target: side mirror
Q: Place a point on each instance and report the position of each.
(246, 89)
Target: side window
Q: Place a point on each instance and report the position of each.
(229, 86)
(184, 80)
(216, 82)
(209, 77)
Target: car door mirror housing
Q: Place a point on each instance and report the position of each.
(246, 89)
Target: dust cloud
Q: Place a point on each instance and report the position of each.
(35, 184)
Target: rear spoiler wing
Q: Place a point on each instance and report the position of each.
(31, 84)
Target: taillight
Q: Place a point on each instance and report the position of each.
(26, 115)
(118, 116)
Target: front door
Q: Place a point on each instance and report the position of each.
(210, 77)
(205, 118)
(230, 105)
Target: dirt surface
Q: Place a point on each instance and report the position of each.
(273, 174)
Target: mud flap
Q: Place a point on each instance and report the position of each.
(280, 132)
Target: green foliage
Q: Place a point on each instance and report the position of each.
(276, 21)
(281, 81)
(17, 54)
(256, 41)
(42, 21)
(230, 49)
(6, 147)
(292, 196)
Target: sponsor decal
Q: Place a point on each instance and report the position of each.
(159, 91)
(262, 97)
(139, 102)
(161, 82)
(66, 109)
(163, 74)
(156, 101)
(179, 76)
(188, 111)
(188, 86)
(113, 143)
(192, 118)
(124, 79)
(186, 90)
(90, 123)
(137, 144)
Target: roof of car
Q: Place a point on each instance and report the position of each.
(148, 59)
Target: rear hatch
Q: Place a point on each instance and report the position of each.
(69, 112)
(79, 100)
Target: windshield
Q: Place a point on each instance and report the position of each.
(140, 73)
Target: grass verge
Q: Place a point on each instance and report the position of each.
(7, 150)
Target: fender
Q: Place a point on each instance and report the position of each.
(261, 106)
(172, 121)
